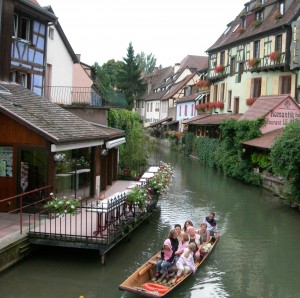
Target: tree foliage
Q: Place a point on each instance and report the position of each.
(146, 62)
(130, 81)
(134, 154)
(285, 157)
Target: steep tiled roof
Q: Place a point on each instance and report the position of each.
(265, 141)
(191, 97)
(262, 106)
(45, 118)
(268, 23)
(195, 119)
(176, 87)
(194, 62)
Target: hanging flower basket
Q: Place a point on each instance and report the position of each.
(219, 68)
(250, 101)
(275, 56)
(253, 62)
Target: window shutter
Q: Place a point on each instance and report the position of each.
(273, 40)
(251, 49)
(264, 86)
(283, 44)
(275, 85)
(248, 88)
(262, 48)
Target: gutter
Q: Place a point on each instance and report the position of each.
(39, 9)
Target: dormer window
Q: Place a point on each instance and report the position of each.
(259, 15)
(243, 23)
(247, 7)
(282, 7)
(262, 2)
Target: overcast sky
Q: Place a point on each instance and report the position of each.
(101, 30)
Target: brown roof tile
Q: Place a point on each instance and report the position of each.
(263, 105)
(191, 97)
(265, 141)
(215, 119)
(48, 119)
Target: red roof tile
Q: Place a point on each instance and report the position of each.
(215, 119)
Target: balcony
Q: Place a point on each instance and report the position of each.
(64, 95)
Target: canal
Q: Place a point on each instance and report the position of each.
(258, 254)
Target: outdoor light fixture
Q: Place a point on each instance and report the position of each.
(103, 152)
(59, 157)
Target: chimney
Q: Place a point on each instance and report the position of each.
(176, 67)
(78, 57)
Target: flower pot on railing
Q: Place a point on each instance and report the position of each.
(219, 68)
(275, 56)
(255, 24)
(254, 62)
(202, 83)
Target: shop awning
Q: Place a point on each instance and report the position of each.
(115, 143)
(71, 146)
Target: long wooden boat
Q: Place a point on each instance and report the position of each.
(143, 281)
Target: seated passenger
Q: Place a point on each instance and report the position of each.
(204, 234)
(211, 224)
(177, 228)
(166, 260)
(183, 243)
(187, 224)
(174, 240)
(186, 263)
(194, 238)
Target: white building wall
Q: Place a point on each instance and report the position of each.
(152, 114)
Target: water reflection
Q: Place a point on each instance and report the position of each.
(254, 257)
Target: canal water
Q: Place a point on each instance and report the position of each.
(258, 254)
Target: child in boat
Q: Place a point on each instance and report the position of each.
(166, 260)
(186, 262)
(183, 243)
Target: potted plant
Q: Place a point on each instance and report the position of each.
(253, 62)
(62, 206)
(138, 196)
(275, 56)
(202, 83)
(256, 23)
(240, 30)
(219, 104)
(219, 68)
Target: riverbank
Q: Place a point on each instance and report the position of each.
(273, 184)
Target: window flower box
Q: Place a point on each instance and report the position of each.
(250, 101)
(240, 30)
(256, 23)
(202, 83)
(219, 68)
(254, 62)
(275, 56)
(277, 16)
(219, 104)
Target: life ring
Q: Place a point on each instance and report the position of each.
(155, 288)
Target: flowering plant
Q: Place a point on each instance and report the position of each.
(219, 104)
(250, 101)
(275, 56)
(138, 196)
(62, 206)
(161, 180)
(202, 83)
(240, 30)
(277, 16)
(256, 23)
(253, 62)
(219, 68)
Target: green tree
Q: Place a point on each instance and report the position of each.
(285, 158)
(130, 81)
(146, 62)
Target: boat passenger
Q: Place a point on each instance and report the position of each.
(211, 224)
(186, 263)
(187, 224)
(194, 238)
(204, 233)
(166, 260)
(183, 243)
(177, 228)
(174, 240)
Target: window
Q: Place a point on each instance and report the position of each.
(240, 72)
(236, 107)
(247, 7)
(148, 106)
(229, 101)
(256, 88)
(259, 15)
(278, 43)
(21, 78)
(21, 27)
(51, 33)
(180, 110)
(151, 106)
(192, 110)
(244, 22)
(282, 7)
(185, 110)
(215, 93)
(232, 66)
(187, 91)
(256, 49)
(222, 92)
(222, 58)
(285, 85)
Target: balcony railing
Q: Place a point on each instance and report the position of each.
(65, 95)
